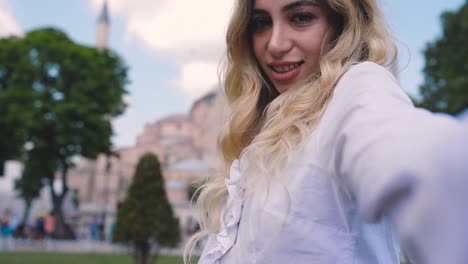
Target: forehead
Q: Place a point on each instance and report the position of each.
(264, 4)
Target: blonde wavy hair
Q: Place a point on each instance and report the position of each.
(268, 126)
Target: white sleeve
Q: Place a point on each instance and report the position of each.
(401, 162)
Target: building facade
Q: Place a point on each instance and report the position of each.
(186, 148)
(185, 144)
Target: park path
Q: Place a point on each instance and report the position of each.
(75, 246)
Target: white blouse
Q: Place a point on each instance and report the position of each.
(376, 170)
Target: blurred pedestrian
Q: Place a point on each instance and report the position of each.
(49, 229)
(94, 229)
(6, 231)
(39, 228)
(110, 236)
(49, 225)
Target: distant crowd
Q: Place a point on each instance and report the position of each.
(44, 229)
(12, 228)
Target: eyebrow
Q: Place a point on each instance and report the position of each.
(289, 6)
(299, 3)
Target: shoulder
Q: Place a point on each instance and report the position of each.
(368, 94)
(368, 69)
(371, 83)
(367, 74)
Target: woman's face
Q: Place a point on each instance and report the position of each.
(287, 37)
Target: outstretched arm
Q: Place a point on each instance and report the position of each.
(401, 162)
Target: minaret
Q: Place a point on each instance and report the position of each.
(102, 32)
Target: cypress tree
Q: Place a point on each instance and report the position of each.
(145, 216)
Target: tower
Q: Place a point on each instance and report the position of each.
(102, 32)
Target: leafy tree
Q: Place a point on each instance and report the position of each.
(445, 87)
(29, 186)
(61, 96)
(146, 215)
(13, 99)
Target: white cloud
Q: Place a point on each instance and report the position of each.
(8, 24)
(186, 28)
(129, 8)
(197, 78)
(190, 31)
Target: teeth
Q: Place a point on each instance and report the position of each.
(282, 69)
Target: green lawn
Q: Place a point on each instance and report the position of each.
(57, 258)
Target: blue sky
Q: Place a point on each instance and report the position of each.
(173, 46)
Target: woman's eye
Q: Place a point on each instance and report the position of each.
(302, 18)
(260, 23)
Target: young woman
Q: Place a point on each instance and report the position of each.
(327, 161)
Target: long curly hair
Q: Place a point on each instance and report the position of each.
(266, 125)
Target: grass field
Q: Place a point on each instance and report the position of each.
(56, 258)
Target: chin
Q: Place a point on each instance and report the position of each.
(281, 91)
(283, 88)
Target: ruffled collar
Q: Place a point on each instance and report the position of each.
(227, 235)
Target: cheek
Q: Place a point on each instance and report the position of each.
(258, 48)
(314, 46)
(259, 54)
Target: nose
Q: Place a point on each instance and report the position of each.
(280, 42)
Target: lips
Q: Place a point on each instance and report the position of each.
(285, 68)
(284, 71)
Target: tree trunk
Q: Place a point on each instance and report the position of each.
(62, 231)
(154, 255)
(27, 209)
(142, 252)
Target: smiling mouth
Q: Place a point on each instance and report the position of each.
(285, 68)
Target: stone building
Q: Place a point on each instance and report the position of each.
(185, 146)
